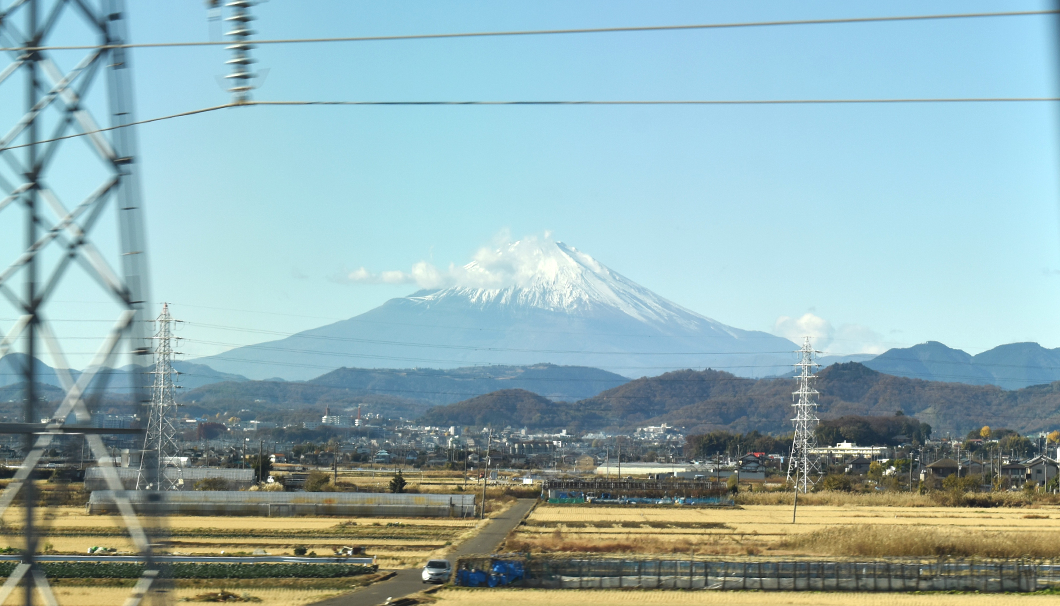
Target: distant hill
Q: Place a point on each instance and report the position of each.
(447, 386)
(192, 375)
(11, 367)
(703, 401)
(294, 398)
(1011, 366)
(404, 393)
(514, 407)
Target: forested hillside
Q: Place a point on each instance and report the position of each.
(705, 401)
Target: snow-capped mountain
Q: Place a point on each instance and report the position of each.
(530, 301)
(559, 278)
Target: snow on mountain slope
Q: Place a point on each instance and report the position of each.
(528, 302)
(557, 277)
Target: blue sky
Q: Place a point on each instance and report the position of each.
(894, 224)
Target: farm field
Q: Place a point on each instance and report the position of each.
(561, 597)
(396, 542)
(767, 530)
(94, 596)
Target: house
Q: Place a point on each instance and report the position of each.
(1041, 469)
(752, 461)
(1016, 472)
(944, 468)
(381, 457)
(859, 466)
(976, 468)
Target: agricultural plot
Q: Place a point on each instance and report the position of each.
(395, 542)
(536, 597)
(767, 530)
(93, 596)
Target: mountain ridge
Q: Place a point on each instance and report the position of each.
(703, 401)
(528, 303)
(1010, 366)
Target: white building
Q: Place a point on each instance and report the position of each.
(843, 450)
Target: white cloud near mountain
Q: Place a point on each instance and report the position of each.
(847, 339)
(504, 264)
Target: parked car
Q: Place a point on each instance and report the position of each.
(437, 571)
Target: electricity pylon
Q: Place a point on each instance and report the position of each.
(803, 469)
(161, 450)
(57, 239)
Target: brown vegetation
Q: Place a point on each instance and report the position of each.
(879, 541)
(941, 498)
(838, 525)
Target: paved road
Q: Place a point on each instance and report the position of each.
(408, 580)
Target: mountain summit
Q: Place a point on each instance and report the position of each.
(555, 277)
(527, 302)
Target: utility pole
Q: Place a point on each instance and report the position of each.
(910, 470)
(486, 474)
(958, 459)
(261, 461)
(803, 462)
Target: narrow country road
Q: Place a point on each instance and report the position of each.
(408, 581)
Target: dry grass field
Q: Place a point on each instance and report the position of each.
(96, 596)
(767, 530)
(396, 542)
(537, 597)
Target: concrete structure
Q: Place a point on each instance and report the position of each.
(279, 504)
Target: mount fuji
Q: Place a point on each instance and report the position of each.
(528, 302)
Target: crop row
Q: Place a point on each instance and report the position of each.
(130, 570)
(223, 533)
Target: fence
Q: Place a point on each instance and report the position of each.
(281, 504)
(872, 575)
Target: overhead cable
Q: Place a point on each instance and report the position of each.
(554, 32)
(899, 101)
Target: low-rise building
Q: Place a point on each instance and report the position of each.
(842, 450)
(1041, 469)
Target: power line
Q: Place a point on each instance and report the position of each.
(906, 100)
(676, 102)
(116, 127)
(554, 32)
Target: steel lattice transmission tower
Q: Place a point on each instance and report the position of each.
(161, 450)
(802, 465)
(50, 248)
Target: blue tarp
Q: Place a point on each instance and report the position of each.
(502, 572)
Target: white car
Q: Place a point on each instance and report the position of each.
(437, 571)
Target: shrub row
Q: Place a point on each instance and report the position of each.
(182, 570)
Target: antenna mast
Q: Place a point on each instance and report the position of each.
(160, 445)
(802, 466)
